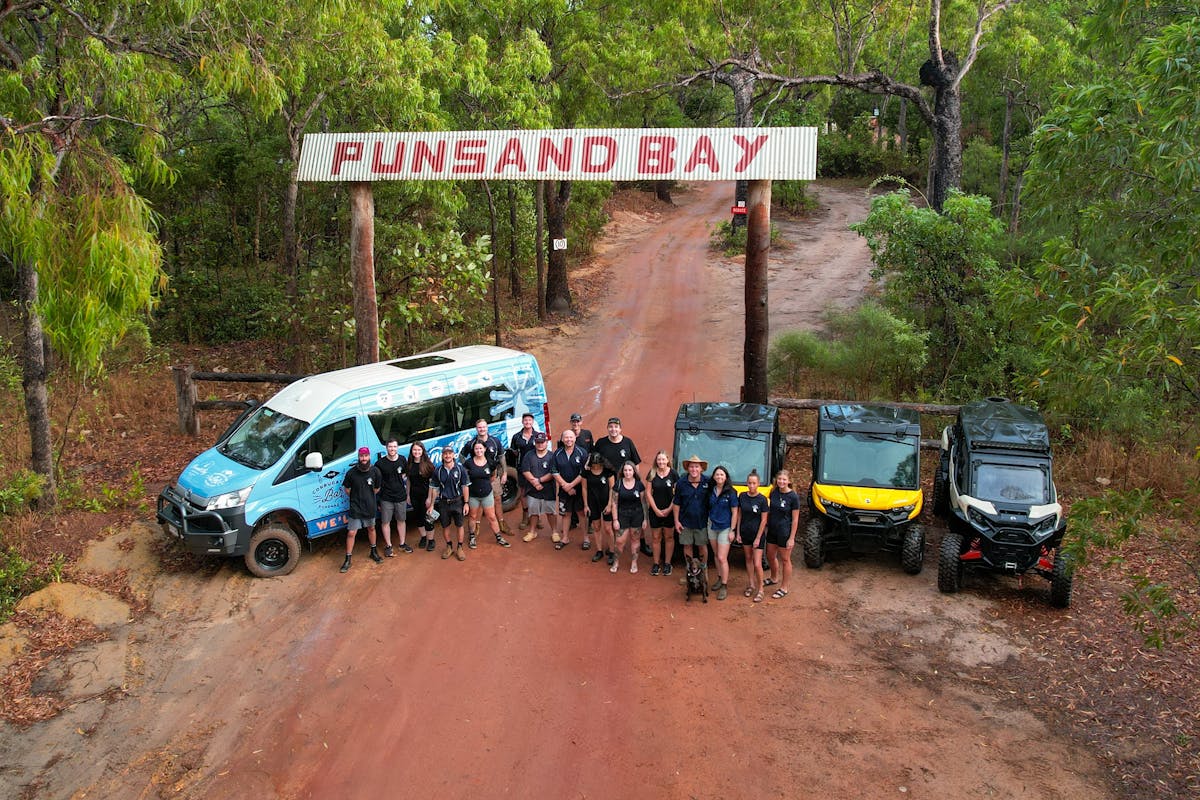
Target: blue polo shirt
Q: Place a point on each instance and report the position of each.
(720, 508)
(692, 502)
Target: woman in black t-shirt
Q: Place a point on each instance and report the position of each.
(752, 533)
(418, 472)
(628, 511)
(661, 480)
(597, 494)
(783, 519)
(481, 499)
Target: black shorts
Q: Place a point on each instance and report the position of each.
(628, 518)
(748, 538)
(568, 503)
(416, 518)
(665, 521)
(778, 538)
(451, 513)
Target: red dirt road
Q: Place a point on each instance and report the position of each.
(535, 673)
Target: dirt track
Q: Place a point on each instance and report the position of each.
(534, 673)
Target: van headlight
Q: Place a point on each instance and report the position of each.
(228, 500)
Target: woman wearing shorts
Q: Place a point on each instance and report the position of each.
(597, 496)
(481, 499)
(783, 519)
(661, 480)
(628, 513)
(418, 471)
(752, 533)
(722, 520)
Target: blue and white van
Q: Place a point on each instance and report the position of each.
(275, 478)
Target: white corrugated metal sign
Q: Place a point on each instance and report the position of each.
(618, 154)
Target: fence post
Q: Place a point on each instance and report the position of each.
(185, 394)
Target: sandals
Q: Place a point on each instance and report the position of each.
(560, 545)
(770, 582)
(758, 598)
(780, 594)
(749, 591)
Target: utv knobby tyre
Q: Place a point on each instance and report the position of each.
(274, 551)
(814, 535)
(509, 491)
(1062, 579)
(912, 549)
(941, 492)
(950, 567)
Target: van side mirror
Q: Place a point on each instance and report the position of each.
(313, 462)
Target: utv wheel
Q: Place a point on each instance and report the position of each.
(814, 536)
(509, 492)
(941, 491)
(950, 568)
(274, 551)
(912, 551)
(1062, 579)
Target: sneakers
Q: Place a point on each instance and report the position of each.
(406, 548)
(459, 554)
(345, 565)
(421, 544)
(529, 537)
(374, 556)
(500, 540)
(599, 555)
(449, 551)
(471, 543)
(666, 570)
(655, 570)
(430, 545)
(387, 551)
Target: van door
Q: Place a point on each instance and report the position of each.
(320, 498)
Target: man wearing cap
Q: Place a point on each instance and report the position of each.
(522, 444)
(494, 451)
(616, 449)
(540, 494)
(567, 466)
(691, 511)
(584, 440)
(361, 484)
(448, 491)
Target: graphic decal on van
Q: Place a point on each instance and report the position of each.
(526, 396)
(317, 527)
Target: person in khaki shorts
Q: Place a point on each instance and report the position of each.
(542, 492)
(691, 511)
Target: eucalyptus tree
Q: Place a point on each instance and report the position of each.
(79, 122)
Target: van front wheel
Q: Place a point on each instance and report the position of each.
(274, 551)
(509, 494)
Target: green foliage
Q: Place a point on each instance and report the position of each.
(940, 271)
(730, 240)
(20, 491)
(869, 351)
(77, 493)
(17, 579)
(981, 170)
(793, 196)
(10, 369)
(218, 305)
(840, 156)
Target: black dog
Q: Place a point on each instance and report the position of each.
(696, 584)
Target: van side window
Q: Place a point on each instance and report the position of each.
(332, 442)
(476, 404)
(422, 420)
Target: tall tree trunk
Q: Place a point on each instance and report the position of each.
(495, 266)
(662, 191)
(362, 273)
(902, 126)
(539, 202)
(1005, 148)
(558, 293)
(514, 270)
(33, 381)
(1014, 220)
(947, 146)
(291, 252)
(758, 251)
(741, 82)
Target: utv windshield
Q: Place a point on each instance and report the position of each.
(263, 438)
(738, 453)
(868, 459)
(1005, 483)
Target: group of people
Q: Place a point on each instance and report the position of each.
(580, 482)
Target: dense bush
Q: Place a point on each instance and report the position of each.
(839, 156)
(981, 170)
(17, 579)
(793, 196)
(218, 305)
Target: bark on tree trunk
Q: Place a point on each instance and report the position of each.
(362, 273)
(946, 173)
(33, 381)
(291, 251)
(558, 293)
(495, 267)
(902, 126)
(539, 201)
(514, 271)
(758, 250)
(1014, 221)
(1005, 147)
(662, 191)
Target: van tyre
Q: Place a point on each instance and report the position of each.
(274, 551)
(950, 567)
(814, 536)
(912, 550)
(510, 493)
(1062, 579)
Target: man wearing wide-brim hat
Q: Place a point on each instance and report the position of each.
(691, 510)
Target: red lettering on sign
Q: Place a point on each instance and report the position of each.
(423, 155)
(395, 165)
(547, 152)
(469, 155)
(511, 155)
(590, 144)
(346, 151)
(656, 154)
(749, 150)
(703, 153)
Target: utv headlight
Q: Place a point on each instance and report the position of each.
(832, 506)
(1045, 526)
(976, 516)
(228, 500)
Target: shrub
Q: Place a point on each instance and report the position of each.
(20, 492)
(17, 579)
(732, 241)
(793, 196)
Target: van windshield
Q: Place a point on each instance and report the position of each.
(868, 459)
(263, 438)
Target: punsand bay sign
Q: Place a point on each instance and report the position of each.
(690, 154)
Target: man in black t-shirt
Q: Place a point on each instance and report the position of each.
(494, 451)
(541, 495)
(361, 484)
(393, 497)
